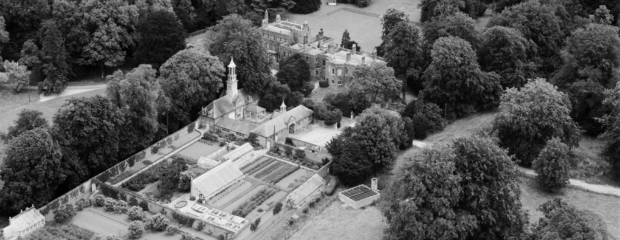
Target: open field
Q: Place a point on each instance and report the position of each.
(367, 28)
(343, 223)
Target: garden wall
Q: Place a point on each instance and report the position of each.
(323, 171)
(86, 189)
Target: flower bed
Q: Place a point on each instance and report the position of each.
(259, 166)
(281, 173)
(180, 204)
(256, 200)
(269, 169)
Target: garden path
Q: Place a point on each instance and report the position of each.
(596, 188)
(71, 90)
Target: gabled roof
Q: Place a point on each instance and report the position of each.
(23, 221)
(281, 121)
(225, 104)
(217, 178)
(254, 108)
(236, 125)
(307, 188)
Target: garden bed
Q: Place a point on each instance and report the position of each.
(245, 169)
(280, 173)
(269, 169)
(232, 195)
(244, 198)
(180, 204)
(255, 201)
(57, 231)
(267, 205)
(294, 180)
(259, 166)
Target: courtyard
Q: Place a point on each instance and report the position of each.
(367, 30)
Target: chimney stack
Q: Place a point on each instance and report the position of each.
(374, 183)
(278, 20)
(374, 54)
(364, 59)
(354, 49)
(348, 56)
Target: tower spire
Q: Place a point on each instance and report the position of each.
(283, 107)
(231, 84)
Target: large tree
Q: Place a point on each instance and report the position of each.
(457, 25)
(390, 19)
(236, 38)
(490, 189)
(306, 6)
(612, 132)
(69, 21)
(31, 171)
(539, 23)
(426, 117)
(295, 72)
(186, 13)
(111, 25)
(376, 82)
(403, 52)
(455, 82)
(506, 52)
(591, 65)
(190, 79)
(275, 93)
(552, 165)
(436, 9)
(422, 202)
(90, 127)
(468, 191)
(260, 6)
(533, 115)
(4, 35)
(161, 36)
(54, 59)
(26, 120)
(139, 96)
(23, 20)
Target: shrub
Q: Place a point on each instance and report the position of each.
(133, 201)
(324, 83)
(305, 210)
(185, 182)
(109, 204)
(222, 144)
(144, 205)
(275, 149)
(190, 128)
(288, 150)
(64, 214)
(552, 165)
(289, 141)
(99, 200)
(171, 230)
(331, 117)
(187, 236)
(147, 162)
(159, 222)
(135, 213)
(299, 153)
(154, 149)
(136, 228)
(201, 226)
(192, 198)
(426, 117)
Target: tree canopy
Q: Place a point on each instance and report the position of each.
(466, 191)
(140, 98)
(161, 36)
(53, 56)
(591, 65)
(237, 38)
(506, 52)
(295, 72)
(564, 221)
(454, 80)
(552, 165)
(612, 132)
(426, 117)
(376, 82)
(403, 52)
(533, 115)
(458, 25)
(191, 79)
(31, 171)
(435, 9)
(306, 6)
(26, 120)
(276, 93)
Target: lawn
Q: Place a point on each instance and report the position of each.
(367, 28)
(343, 223)
(97, 222)
(295, 179)
(199, 149)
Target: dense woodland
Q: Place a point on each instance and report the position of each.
(551, 67)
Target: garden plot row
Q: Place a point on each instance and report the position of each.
(280, 173)
(261, 163)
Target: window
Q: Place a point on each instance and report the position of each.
(332, 81)
(339, 72)
(323, 62)
(306, 59)
(332, 71)
(346, 71)
(339, 82)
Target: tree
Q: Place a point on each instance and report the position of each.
(69, 21)
(538, 23)
(454, 79)
(135, 213)
(161, 36)
(90, 128)
(506, 52)
(435, 9)
(186, 13)
(190, 79)
(552, 165)
(159, 222)
(30, 55)
(389, 20)
(4, 35)
(139, 96)
(306, 6)
(31, 171)
(110, 24)
(53, 57)
(185, 181)
(330, 117)
(22, 20)
(18, 71)
(612, 133)
(532, 116)
(295, 72)
(601, 16)
(236, 38)
(135, 229)
(146, 7)
(403, 52)
(26, 120)
(563, 221)
(64, 214)
(171, 230)
(277, 208)
(457, 25)
(591, 65)
(261, 6)
(275, 93)
(345, 38)
(490, 190)
(424, 203)
(426, 117)
(376, 82)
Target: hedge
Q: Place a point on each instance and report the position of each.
(324, 83)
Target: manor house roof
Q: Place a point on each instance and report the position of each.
(281, 121)
(272, 28)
